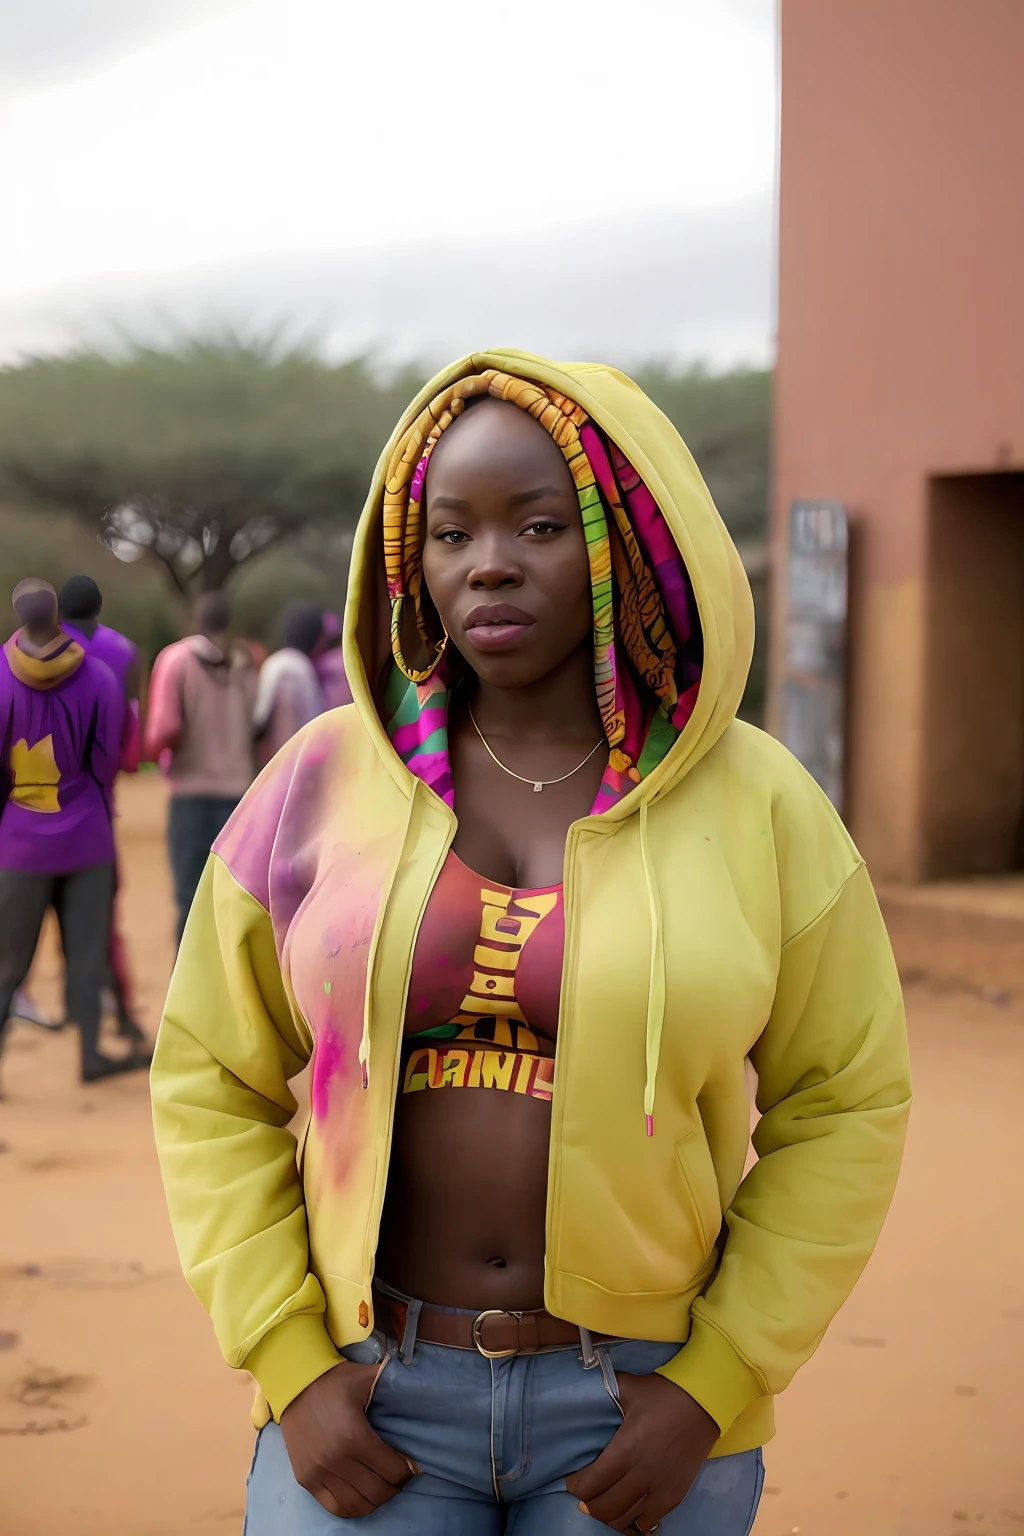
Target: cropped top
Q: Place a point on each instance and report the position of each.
(486, 980)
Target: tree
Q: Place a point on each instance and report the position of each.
(198, 457)
(725, 419)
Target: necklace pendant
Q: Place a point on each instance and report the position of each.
(538, 787)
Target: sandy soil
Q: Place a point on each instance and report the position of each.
(117, 1416)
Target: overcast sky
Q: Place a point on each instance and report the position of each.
(171, 155)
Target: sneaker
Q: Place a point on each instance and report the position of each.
(101, 1067)
(22, 1007)
(127, 1029)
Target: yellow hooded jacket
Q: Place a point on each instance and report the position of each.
(718, 911)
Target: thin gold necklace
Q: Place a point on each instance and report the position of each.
(538, 784)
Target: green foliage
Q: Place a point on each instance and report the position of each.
(136, 598)
(224, 462)
(725, 420)
(267, 584)
(201, 456)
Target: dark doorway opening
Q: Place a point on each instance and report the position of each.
(973, 789)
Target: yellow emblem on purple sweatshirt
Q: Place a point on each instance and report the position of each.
(36, 776)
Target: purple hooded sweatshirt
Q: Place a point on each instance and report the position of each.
(109, 646)
(60, 730)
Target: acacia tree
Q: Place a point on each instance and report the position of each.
(198, 456)
(725, 419)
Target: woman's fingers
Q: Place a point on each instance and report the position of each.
(382, 1459)
(591, 1481)
(340, 1496)
(375, 1489)
(620, 1504)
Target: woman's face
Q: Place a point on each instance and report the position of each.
(505, 559)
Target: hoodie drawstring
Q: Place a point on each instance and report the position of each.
(364, 1043)
(656, 984)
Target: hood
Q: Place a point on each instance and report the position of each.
(61, 659)
(652, 446)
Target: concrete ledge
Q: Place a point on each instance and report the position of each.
(966, 933)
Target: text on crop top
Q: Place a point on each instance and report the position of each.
(486, 980)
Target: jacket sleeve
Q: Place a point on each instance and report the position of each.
(163, 707)
(105, 750)
(834, 1095)
(227, 1047)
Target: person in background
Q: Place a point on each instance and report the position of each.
(61, 715)
(81, 603)
(289, 694)
(199, 725)
(257, 650)
(330, 664)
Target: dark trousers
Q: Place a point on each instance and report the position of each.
(83, 902)
(193, 826)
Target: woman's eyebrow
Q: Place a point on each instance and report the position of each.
(455, 503)
(537, 495)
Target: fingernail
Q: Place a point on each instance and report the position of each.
(583, 1509)
(412, 1464)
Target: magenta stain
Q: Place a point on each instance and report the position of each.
(326, 1066)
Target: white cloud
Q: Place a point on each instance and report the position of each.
(46, 40)
(333, 125)
(678, 285)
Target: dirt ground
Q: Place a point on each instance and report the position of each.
(117, 1417)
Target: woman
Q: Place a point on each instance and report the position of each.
(503, 1286)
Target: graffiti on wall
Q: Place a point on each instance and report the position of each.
(813, 720)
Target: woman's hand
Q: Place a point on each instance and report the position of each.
(334, 1453)
(647, 1467)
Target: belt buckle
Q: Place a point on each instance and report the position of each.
(493, 1354)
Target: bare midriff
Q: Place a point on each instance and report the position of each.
(464, 1217)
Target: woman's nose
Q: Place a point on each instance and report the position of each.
(495, 565)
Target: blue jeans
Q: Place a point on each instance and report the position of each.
(194, 823)
(495, 1439)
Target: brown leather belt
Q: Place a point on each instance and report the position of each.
(494, 1334)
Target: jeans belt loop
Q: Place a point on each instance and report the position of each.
(408, 1344)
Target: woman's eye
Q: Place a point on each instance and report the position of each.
(543, 526)
(453, 536)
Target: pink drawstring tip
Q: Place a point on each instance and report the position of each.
(650, 1125)
(366, 1075)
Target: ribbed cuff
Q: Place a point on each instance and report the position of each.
(289, 1357)
(709, 1368)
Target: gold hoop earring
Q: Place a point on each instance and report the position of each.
(396, 646)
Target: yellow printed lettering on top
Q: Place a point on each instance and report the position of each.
(496, 959)
(491, 986)
(496, 1006)
(419, 1070)
(473, 1080)
(500, 1032)
(453, 1074)
(524, 1066)
(496, 1069)
(538, 906)
(489, 929)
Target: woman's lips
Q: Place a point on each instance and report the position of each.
(497, 626)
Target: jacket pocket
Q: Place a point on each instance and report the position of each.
(694, 1158)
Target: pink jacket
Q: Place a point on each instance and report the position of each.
(200, 715)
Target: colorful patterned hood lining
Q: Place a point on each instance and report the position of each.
(648, 648)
